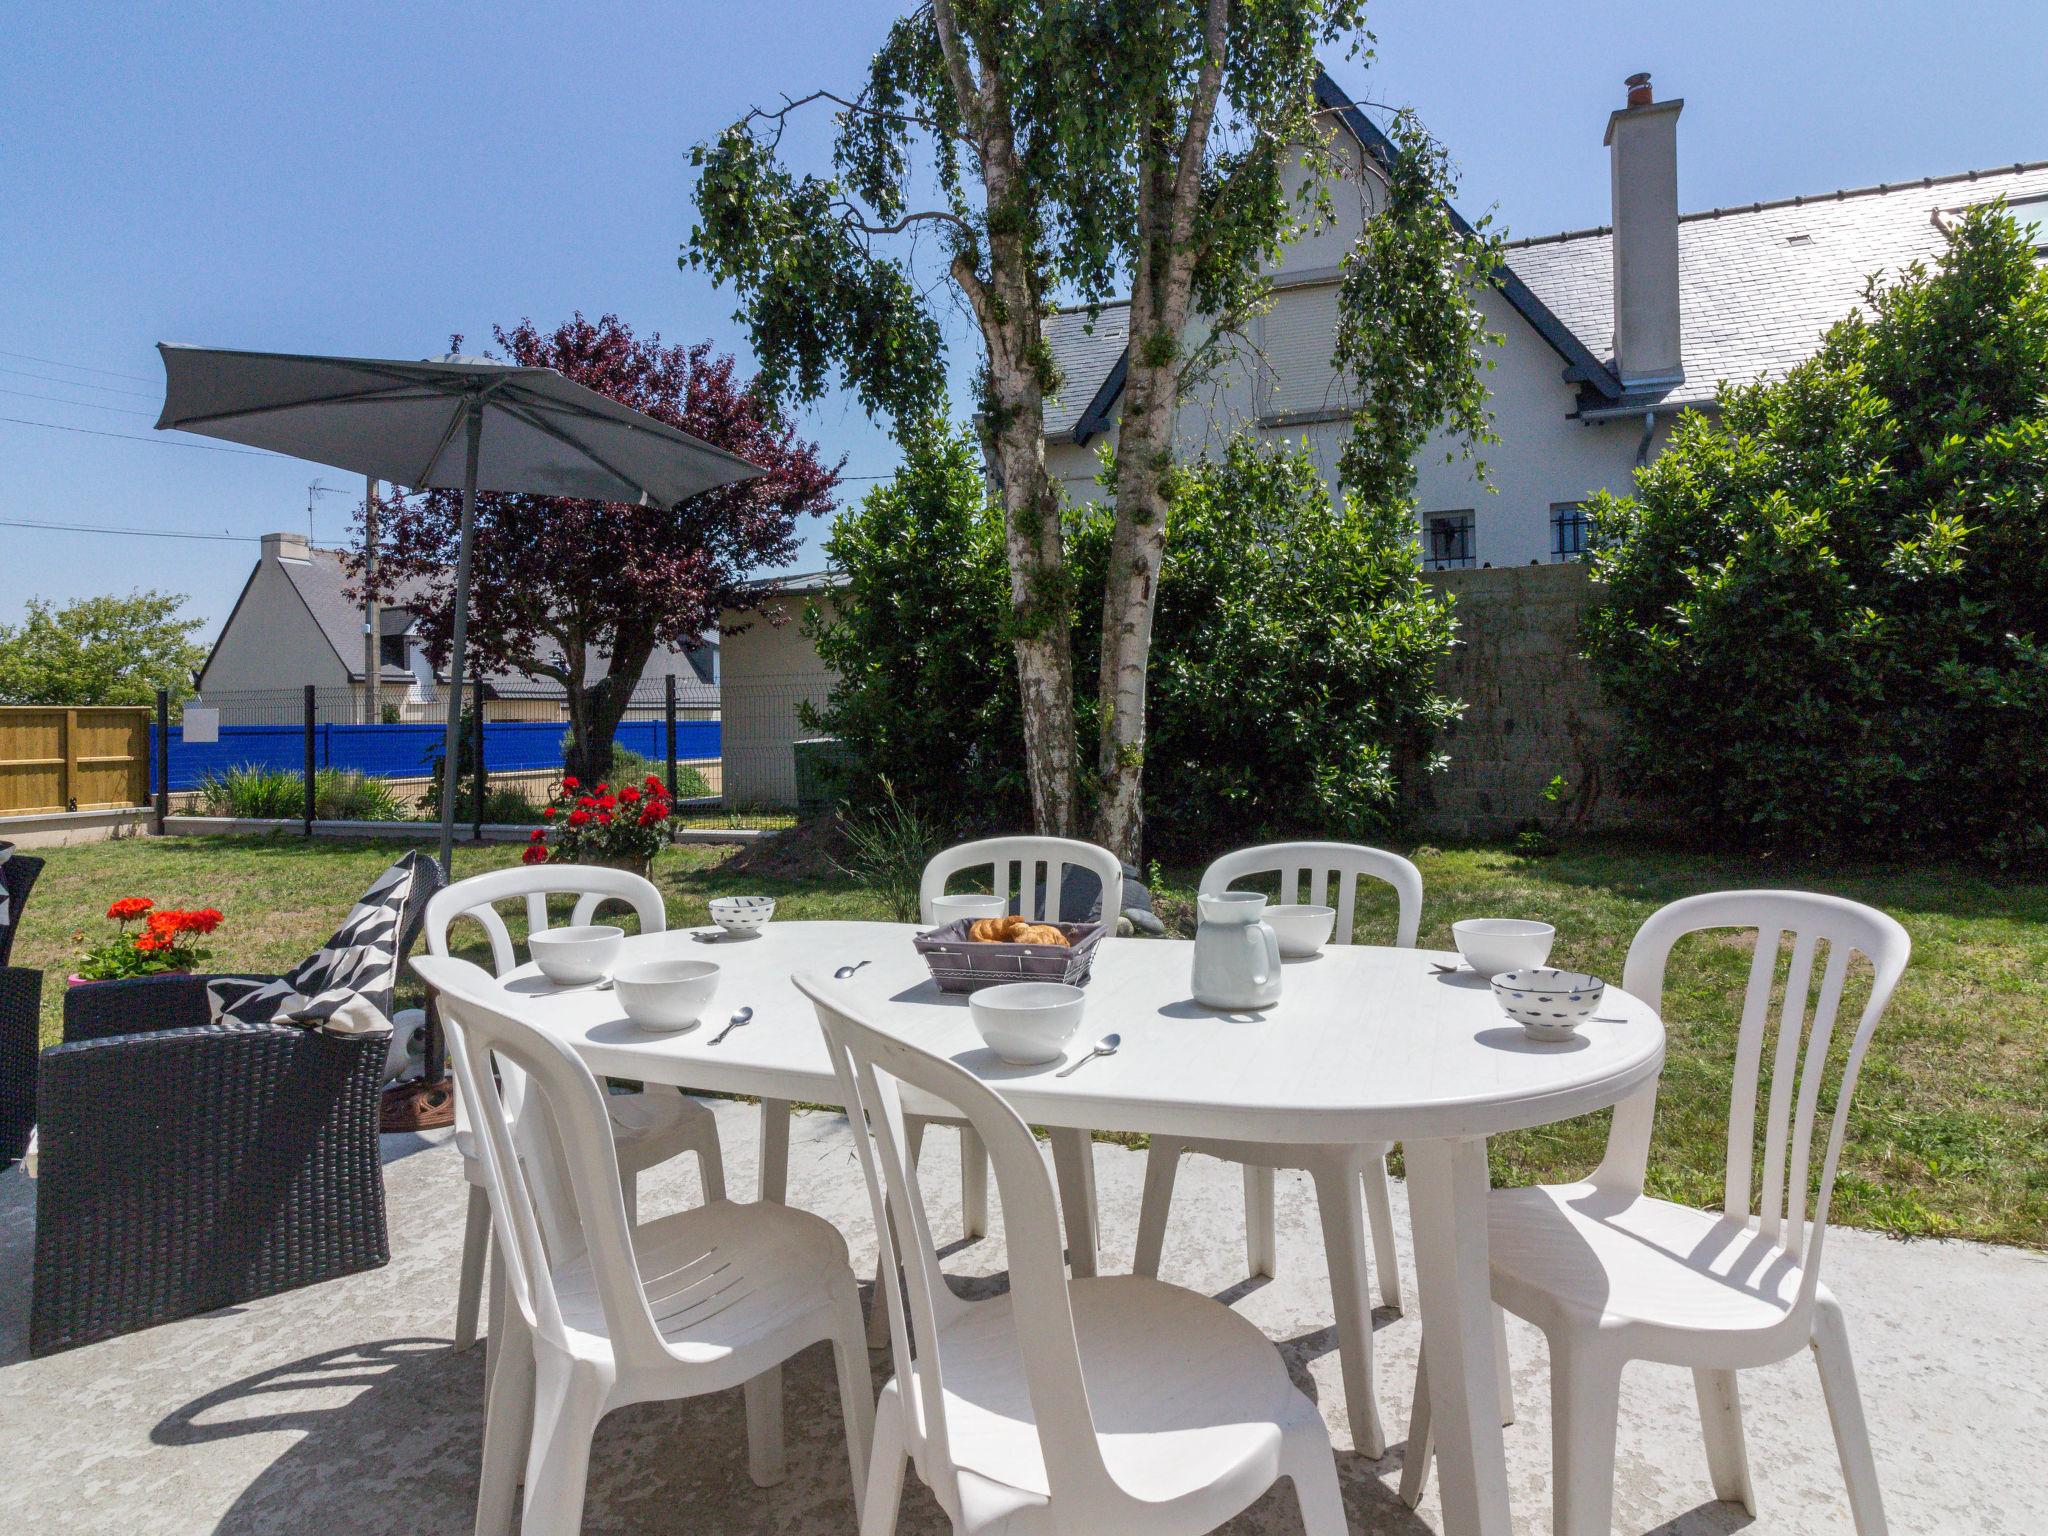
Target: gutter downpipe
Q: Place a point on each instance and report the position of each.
(1643, 447)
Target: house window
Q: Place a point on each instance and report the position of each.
(391, 650)
(1570, 530)
(1447, 541)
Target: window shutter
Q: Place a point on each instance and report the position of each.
(1298, 335)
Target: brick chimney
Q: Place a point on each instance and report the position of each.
(1642, 144)
(286, 546)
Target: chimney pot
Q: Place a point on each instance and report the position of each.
(1639, 93)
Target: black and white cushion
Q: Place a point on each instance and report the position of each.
(347, 985)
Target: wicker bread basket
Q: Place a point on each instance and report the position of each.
(961, 965)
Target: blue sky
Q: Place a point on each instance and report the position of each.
(369, 178)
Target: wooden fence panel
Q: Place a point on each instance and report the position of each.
(91, 758)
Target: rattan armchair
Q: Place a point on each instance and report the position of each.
(21, 1008)
(186, 1165)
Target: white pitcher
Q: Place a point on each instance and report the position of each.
(1237, 957)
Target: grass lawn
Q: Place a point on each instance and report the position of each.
(1949, 1135)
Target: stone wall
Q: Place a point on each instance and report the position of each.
(1533, 710)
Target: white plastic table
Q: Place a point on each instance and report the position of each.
(1366, 1045)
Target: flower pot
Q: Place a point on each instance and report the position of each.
(76, 980)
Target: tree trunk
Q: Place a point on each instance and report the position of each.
(1038, 617)
(1144, 467)
(596, 709)
(1007, 305)
(1162, 286)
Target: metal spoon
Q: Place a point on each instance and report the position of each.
(1106, 1046)
(737, 1020)
(1444, 970)
(847, 970)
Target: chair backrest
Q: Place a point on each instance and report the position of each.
(1014, 863)
(592, 885)
(1804, 1021)
(872, 1066)
(552, 1175)
(1307, 870)
(17, 876)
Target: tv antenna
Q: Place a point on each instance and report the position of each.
(313, 493)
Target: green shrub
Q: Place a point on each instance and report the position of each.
(1826, 605)
(1293, 657)
(1294, 651)
(887, 848)
(342, 794)
(339, 794)
(249, 790)
(924, 694)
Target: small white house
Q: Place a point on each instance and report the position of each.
(1608, 332)
(295, 623)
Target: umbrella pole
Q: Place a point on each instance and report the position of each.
(459, 640)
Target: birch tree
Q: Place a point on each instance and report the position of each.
(1075, 150)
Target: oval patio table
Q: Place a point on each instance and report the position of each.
(1365, 1045)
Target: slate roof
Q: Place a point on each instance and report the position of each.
(322, 583)
(1757, 283)
(1087, 348)
(1760, 282)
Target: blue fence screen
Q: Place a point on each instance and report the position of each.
(409, 751)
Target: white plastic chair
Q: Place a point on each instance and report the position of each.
(604, 1312)
(650, 1127)
(1014, 863)
(1612, 1275)
(1066, 1406)
(1307, 872)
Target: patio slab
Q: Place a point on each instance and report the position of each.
(343, 1403)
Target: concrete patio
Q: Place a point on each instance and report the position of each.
(343, 1407)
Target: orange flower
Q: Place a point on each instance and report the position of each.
(129, 907)
(203, 920)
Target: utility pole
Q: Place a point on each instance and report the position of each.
(373, 639)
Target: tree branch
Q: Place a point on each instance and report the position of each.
(1187, 181)
(965, 91)
(790, 104)
(851, 217)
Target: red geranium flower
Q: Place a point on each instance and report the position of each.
(129, 907)
(586, 801)
(604, 818)
(570, 781)
(604, 789)
(204, 920)
(549, 813)
(578, 818)
(537, 835)
(535, 854)
(629, 795)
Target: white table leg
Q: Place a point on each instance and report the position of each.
(1073, 1161)
(1447, 1201)
(774, 1170)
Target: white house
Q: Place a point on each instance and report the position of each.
(1609, 332)
(296, 624)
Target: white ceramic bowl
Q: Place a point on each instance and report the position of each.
(742, 916)
(1301, 930)
(1491, 945)
(1027, 1023)
(665, 994)
(950, 909)
(572, 956)
(1548, 1004)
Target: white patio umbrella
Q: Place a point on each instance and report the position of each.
(445, 424)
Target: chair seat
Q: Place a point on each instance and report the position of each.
(718, 1277)
(648, 1128)
(1573, 1252)
(1185, 1393)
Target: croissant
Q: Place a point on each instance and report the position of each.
(1041, 933)
(997, 930)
